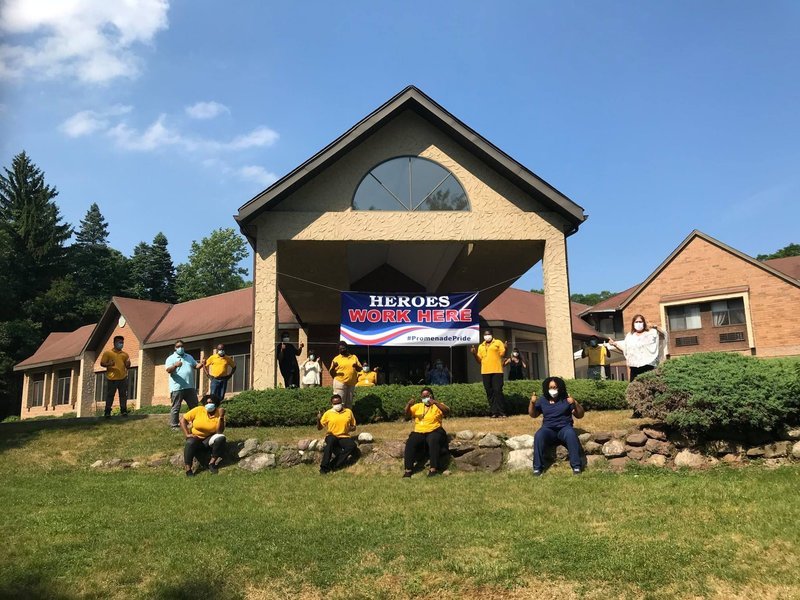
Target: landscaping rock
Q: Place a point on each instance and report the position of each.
(308, 458)
(269, 447)
(721, 447)
(394, 449)
(365, 438)
(796, 450)
(290, 458)
(618, 464)
(619, 434)
(482, 459)
(135, 464)
(490, 440)
(679, 440)
(250, 446)
(461, 447)
(655, 434)
(732, 459)
(158, 462)
(791, 434)
(176, 460)
(756, 452)
(584, 437)
(657, 460)
(601, 437)
(655, 446)
(303, 444)
(314, 445)
(519, 442)
(596, 461)
(692, 460)
(776, 450)
(561, 453)
(96, 464)
(467, 434)
(258, 462)
(636, 453)
(774, 463)
(114, 462)
(636, 439)
(519, 460)
(591, 447)
(712, 461)
(613, 449)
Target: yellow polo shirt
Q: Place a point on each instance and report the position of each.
(426, 418)
(338, 423)
(491, 356)
(203, 424)
(118, 371)
(597, 356)
(367, 379)
(346, 369)
(218, 365)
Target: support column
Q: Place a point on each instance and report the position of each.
(265, 326)
(26, 395)
(146, 378)
(74, 385)
(558, 316)
(49, 387)
(302, 338)
(86, 385)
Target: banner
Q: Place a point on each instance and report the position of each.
(410, 320)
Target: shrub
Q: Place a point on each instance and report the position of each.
(10, 419)
(720, 394)
(282, 407)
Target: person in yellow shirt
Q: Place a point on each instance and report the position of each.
(203, 427)
(489, 356)
(339, 446)
(344, 369)
(428, 431)
(367, 378)
(117, 364)
(219, 368)
(598, 356)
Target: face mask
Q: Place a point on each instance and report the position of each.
(426, 401)
(553, 393)
(516, 354)
(638, 326)
(439, 365)
(366, 369)
(285, 340)
(593, 344)
(118, 345)
(179, 351)
(311, 357)
(338, 407)
(220, 352)
(211, 407)
(487, 338)
(343, 351)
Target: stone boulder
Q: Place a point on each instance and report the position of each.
(561, 453)
(692, 460)
(584, 437)
(394, 449)
(258, 462)
(520, 460)
(290, 457)
(250, 447)
(601, 437)
(490, 440)
(655, 446)
(365, 438)
(655, 434)
(613, 449)
(519, 442)
(636, 439)
(596, 461)
(303, 444)
(796, 450)
(158, 460)
(482, 459)
(636, 452)
(777, 450)
(96, 464)
(732, 459)
(461, 447)
(591, 447)
(721, 447)
(268, 447)
(467, 434)
(618, 464)
(757, 452)
(657, 460)
(790, 434)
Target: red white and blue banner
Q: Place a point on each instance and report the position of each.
(410, 320)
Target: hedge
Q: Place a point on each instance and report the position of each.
(717, 394)
(282, 407)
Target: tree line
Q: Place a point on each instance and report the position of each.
(58, 278)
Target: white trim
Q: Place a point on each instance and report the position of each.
(745, 296)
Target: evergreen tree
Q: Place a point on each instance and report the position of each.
(94, 228)
(151, 272)
(213, 266)
(785, 252)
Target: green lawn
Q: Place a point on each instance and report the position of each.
(70, 532)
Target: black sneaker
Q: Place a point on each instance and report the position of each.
(107, 415)
(434, 473)
(537, 473)
(190, 473)
(213, 468)
(407, 474)
(576, 471)
(125, 414)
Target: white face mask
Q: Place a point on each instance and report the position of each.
(311, 357)
(338, 407)
(516, 354)
(487, 338)
(553, 393)
(285, 340)
(638, 326)
(366, 369)
(426, 401)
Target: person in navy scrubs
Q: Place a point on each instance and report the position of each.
(558, 408)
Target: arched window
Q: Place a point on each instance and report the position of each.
(410, 183)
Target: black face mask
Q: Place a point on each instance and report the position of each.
(343, 351)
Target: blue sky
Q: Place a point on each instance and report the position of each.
(657, 118)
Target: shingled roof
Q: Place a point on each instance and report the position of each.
(58, 347)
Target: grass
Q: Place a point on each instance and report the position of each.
(71, 532)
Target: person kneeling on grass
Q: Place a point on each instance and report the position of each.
(558, 408)
(428, 430)
(207, 424)
(339, 422)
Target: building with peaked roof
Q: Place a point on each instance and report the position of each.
(712, 297)
(410, 199)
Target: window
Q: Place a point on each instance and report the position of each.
(410, 183)
(63, 386)
(100, 387)
(37, 392)
(728, 312)
(684, 317)
(133, 383)
(241, 378)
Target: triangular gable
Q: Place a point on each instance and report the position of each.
(411, 98)
(142, 316)
(58, 347)
(699, 234)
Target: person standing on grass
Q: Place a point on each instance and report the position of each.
(181, 367)
(428, 431)
(203, 426)
(345, 367)
(489, 355)
(558, 408)
(117, 364)
(339, 446)
(642, 347)
(287, 361)
(219, 368)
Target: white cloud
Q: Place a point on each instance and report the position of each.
(206, 110)
(261, 136)
(258, 174)
(93, 40)
(87, 122)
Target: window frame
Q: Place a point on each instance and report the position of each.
(63, 388)
(684, 316)
(727, 312)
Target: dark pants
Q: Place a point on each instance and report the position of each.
(435, 441)
(195, 444)
(547, 437)
(493, 384)
(189, 395)
(636, 371)
(114, 386)
(336, 452)
(291, 378)
(218, 387)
